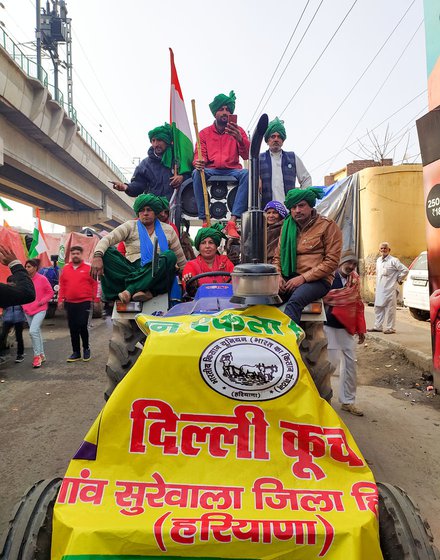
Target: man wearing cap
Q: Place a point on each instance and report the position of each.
(222, 144)
(308, 252)
(130, 277)
(155, 174)
(279, 170)
(345, 319)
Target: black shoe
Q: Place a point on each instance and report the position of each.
(19, 358)
(75, 357)
(86, 354)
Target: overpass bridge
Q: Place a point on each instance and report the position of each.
(47, 158)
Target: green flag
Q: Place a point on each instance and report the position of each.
(5, 206)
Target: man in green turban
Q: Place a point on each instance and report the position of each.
(308, 252)
(279, 170)
(222, 145)
(155, 174)
(130, 277)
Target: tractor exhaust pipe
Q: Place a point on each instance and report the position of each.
(254, 282)
(253, 224)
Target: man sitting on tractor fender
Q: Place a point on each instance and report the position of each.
(130, 277)
(207, 242)
(308, 252)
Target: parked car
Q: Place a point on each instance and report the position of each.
(416, 288)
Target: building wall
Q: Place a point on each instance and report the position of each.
(391, 209)
(352, 168)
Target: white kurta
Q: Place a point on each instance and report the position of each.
(389, 271)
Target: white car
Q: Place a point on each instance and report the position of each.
(416, 288)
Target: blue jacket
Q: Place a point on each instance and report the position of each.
(150, 176)
(13, 314)
(288, 167)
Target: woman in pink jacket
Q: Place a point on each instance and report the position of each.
(36, 311)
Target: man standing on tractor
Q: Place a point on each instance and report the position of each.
(279, 169)
(222, 144)
(308, 252)
(130, 277)
(155, 174)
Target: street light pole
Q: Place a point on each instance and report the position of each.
(38, 34)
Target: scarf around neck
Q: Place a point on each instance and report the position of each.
(147, 244)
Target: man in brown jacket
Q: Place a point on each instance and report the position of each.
(308, 252)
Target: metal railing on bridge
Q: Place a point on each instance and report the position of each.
(30, 68)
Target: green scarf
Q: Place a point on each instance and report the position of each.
(288, 247)
(164, 133)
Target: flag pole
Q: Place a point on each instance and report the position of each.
(202, 171)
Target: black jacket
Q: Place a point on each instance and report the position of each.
(22, 292)
(150, 176)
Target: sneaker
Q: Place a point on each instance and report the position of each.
(352, 409)
(231, 230)
(86, 354)
(75, 357)
(390, 331)
(19, 358)
(36, 362)
(43, 358)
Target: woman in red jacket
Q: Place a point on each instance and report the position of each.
(36, 311)
(207, 242)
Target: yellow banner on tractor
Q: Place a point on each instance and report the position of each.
(217, 445)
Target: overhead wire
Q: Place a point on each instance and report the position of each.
(293, 54)
(374, 128)
(104, 119)
(380, 88)
(279, 62)
(360, 78)
(320, 56)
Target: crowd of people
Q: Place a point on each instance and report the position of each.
(304, 246)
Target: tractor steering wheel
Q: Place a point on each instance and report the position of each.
(204, 275)
(207, 275)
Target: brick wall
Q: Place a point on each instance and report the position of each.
(354, 167)
(359, 164)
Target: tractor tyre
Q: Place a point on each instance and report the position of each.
(29, 535)
(403, 534)
(125, 347)
(313, 351)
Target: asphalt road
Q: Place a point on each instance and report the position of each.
(45, 413)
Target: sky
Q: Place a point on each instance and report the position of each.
(346, 73)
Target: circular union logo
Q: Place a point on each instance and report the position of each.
(248, 368)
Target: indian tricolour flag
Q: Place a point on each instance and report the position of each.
(182, 140)
(38, 245)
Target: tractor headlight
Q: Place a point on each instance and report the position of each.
(255, 284)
